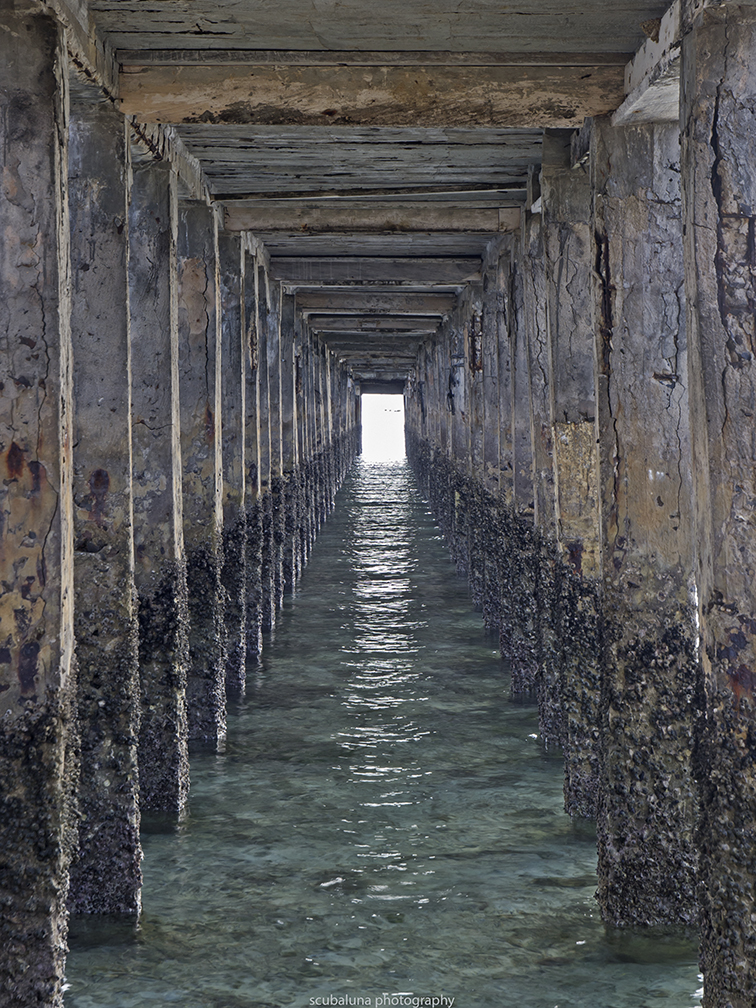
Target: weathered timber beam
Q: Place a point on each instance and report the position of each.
(373, 323)
(652, 78)
(374, 220)
(379, 96)
(312, 57)
(356, 269)
(479, 195)
(349, 303)
(396, 343)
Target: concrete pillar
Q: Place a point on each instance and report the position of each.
(278, 516)
(160, 564)
(719, 197)
(253, 493)
(233, 392)
(289, 445)
(202, 477)
(522, 644)
(568, 247)
(106, 874)
(647, 800)
(36, 568)
(268, 563)
(507, 553)
(491, 475)
(545, 643)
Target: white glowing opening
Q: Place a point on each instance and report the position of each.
(382, 428)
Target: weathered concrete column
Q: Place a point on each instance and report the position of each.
(289, 446)
(647, 801)
(233, 390)
(202, 477)
(160, 566)
(719, 194)
(568, 248)
(105, 875)
(278, 516)
(544, 637)
(523, 642)
(36, 577)
(253, 495)
(268, 565)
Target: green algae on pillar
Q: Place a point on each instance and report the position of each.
(37, 685)
(202, 475)
(160, 564)
(106, 873)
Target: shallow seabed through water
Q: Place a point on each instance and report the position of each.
(383, 819)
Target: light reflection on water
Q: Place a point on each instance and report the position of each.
(382, 819)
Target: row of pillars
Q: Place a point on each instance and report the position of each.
(584, 426)
(171, 439)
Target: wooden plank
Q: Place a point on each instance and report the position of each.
(528, 26)
(352, 57)
(390, 96)
(234, 189)
(438, 243)
(89, 51)
(520, 141)
(481, 200)
(348, 302)
(356, 269)
(374, 220)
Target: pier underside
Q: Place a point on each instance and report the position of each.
(222, 223)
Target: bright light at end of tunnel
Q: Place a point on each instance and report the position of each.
(382, 428)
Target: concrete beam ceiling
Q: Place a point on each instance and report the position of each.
(368, 149)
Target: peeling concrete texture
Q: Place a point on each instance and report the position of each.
(37, 682)
(720, 195)
(648, 629)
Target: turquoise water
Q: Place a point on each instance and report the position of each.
(383, 820)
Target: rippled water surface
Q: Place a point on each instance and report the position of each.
(383, 819)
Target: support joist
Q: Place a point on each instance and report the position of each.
(371, 96)
(355, 218)
(405, 270)
(365, 302)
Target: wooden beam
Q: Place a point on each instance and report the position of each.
(372, 96)
(482, 197)
(371, 219)
(359, 269)
(364, 302)
(356, 324)
(351, 57)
